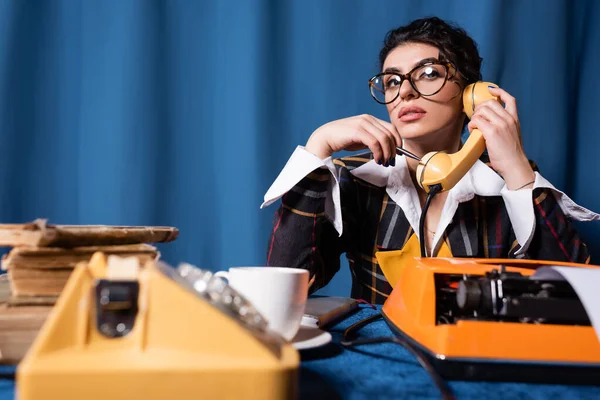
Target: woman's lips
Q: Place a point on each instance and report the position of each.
(412, 116)
(411, 113)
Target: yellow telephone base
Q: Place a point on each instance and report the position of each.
(180, 346)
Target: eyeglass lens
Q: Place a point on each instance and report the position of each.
(426, 80)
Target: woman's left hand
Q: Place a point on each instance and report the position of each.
(501, 130)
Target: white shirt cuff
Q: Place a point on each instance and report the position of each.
(300, 164)
(519, 205)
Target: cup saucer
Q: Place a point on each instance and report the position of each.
(309, 338)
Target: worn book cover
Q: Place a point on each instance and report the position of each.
(61, 258)
(44, 271)
(41, 234)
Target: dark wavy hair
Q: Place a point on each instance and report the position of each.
(455, 45)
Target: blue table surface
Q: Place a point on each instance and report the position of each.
(385, 371)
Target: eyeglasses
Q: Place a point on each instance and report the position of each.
(427, 80)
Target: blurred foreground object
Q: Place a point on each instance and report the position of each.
(42, 260)
(128, 327)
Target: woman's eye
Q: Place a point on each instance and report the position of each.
(429, 73)
(390, 83)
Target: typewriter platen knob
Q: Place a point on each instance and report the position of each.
(468, 295)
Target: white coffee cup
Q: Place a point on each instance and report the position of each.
(279, 294)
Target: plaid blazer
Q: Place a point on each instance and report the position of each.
(303, 237)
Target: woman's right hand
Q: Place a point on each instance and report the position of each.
(356, 133)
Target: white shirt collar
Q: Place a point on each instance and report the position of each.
(479, 180)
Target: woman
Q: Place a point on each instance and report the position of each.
(358, 205)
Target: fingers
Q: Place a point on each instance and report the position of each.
(493, 112)
(385, 139)
(501, 121)
(379, 140)
(368, 139)
(391, 129)
(383, 142)
(480, 122)
(509, 101)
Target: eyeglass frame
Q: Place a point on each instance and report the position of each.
(407, 76)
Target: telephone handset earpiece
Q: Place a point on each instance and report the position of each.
(447, 169)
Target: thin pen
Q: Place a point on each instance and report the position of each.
(407, 153)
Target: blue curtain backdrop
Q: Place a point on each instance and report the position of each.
(182, 113)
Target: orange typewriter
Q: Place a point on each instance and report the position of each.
(489, 319)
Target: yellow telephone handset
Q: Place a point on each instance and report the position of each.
(438, 167)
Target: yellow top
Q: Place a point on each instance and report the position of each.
(392, 262)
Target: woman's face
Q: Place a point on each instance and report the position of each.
(428, 116)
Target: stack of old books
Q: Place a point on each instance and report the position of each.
(40, 263)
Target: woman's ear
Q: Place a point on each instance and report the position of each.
(459, 90)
